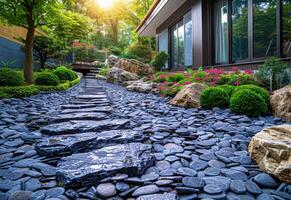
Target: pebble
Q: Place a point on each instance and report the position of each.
(145, 190)
(106, 189)
(265, 180)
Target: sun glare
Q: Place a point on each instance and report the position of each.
(105, 3)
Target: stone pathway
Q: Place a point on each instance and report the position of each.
(99, 141)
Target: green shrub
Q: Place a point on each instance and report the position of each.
(103, 71)
(159, 61)
(130, 56)
(18, 92)
(176, 77)
(47, 78)
(214, 97)
(249, 103)
(258, 90)
(9, 77)
(228, 89)
(160, 77)
(65, 74)
(141, 51)
(115, 50)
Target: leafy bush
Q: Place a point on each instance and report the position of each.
(214, 97)
(248, 103)
(258, 90)
(47, 78)
(228, 89)
(141, 51)
(18, 92)
(170, 89)
(176, 77)
(159, 61)
(9, 77)
(160, 77)
(103, 71)
(65, 74)
(273, 74)
(115, 50)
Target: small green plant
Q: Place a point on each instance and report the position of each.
(249, 103)
(176, 77)
(9, 77)
(159, 61)
(258, 90)
(103, 71)
(273, 74)
(47, 78)
(228, 89)
(140, 50)
(115, 50)
(65, 74)
(18, 92)
(214, 97)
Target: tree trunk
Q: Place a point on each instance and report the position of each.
(28, 64)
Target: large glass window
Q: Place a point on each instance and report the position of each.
(188, 40)
(240, 30)
(286, 24)
(163, 43)
(221, 31)
(265, 28)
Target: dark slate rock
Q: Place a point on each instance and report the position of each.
(209, 196)
(198, 165)
(212, 189)
(77, 143)
(252, 187)
(212, 171)
(149, 177)
(38, 195)
(76, 106)
(165, 196)
(188, 197)
(221, 181)
(104, 109)
(121, 186)
(145, 190)
(20, 195)
(185, 171)
(88, 168)
(238, 186)
(283, 195)
(6, 185)
(55, 192)
(72, 127)
(193, 182)
(265, 196)
(78, 116)
(265, 180)
(234, 175)
(186, 190)
(32, 184)
(45, 169)
(106, 190)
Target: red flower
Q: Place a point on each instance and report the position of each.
(235, 69)
(248, 71)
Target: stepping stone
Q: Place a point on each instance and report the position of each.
(85, 169)
(82, 126)
(106, 109)
(99, 102)
(73, 106)
(100, 96)
(78, 116)
(68, 144)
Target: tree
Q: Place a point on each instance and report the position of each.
(28, 14)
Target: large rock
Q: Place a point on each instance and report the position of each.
(112, 60)
(271, 149)
(68, 144)
(86, 169)
(189, 97)
(119, 76)
(82, 126)
(134, 66)
(139, 86)
(281, 103)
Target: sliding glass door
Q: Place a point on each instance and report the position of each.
(286, 25)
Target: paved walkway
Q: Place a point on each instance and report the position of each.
(99, 141)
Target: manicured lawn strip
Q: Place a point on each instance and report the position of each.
(29, 90)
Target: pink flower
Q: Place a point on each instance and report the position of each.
(237, 83)
(197, 79)
(235, 69)
(187, 83)
(248, 71)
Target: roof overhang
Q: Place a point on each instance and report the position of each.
(159, 12)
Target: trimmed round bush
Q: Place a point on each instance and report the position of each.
(9, 77)
(249, 103)
(47, 78)
(256, 89)
(65, 74)
(214, 97)
(228, 88)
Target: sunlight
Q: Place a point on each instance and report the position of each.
(105, 3)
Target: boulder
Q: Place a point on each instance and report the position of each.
(134, 66)
(281, 103)
(139, 86)
(271, 149)
(100, 77)
(189, 97)
(112, 60)
(85, 169)
(119, 76)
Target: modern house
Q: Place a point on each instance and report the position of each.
(222, 33)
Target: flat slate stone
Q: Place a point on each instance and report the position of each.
(105, 109)
(86, 169)
(76, 106)
(78, 116)
(65, 145)
(82, 126)
(165, 196)
(100, 96)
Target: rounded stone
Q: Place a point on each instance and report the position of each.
(55, 192)
(212, 189)
(145, 190)
(253, 187)
(238, 186)
(121, 186)
(265, 180)
(193, 182)
(20, 195)
(106, 189)
(265, 196)
(212, 171)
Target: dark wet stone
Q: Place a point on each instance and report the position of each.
(104, 109)
(13, 174)
(253, 187)
(6, 185)
(80, 106)
(234, 175)
(55, 192)
(216, 163)
(171, 158)
(149, 177)
(4, 196)
(32, 184)
(20, 195)
(72, 127)
(193, 182)
(106, 190)
(265, 180)
(246, 197)
(121, 186)
(45, 169)
(265, 196)
(188, 197)
(185, 171)
(209, 196)
(163, 165)
(212, 189)
(163, 182)
(88, 168)
(38, 195)
(212, 171)
(77, 116)
(186, 190)
(221, 181)
(238, 186)
(165, 196)
(283, 195)
(77, 143)
(198, 165)
(145, 190)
